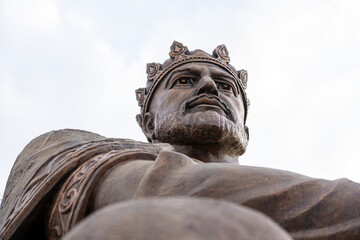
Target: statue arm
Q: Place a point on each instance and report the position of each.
(308, 208)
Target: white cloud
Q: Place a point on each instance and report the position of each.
(31, 16)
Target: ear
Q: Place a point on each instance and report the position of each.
(148, 126)
(246, 132)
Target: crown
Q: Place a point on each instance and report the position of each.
(179, 55)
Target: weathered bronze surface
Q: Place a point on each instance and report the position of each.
(185, 184)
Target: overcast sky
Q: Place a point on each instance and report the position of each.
(76, 64)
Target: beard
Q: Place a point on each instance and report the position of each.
(208, 129)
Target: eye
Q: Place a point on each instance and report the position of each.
(225, 87)
(184, 82)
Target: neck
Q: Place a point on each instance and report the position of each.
(205, 153)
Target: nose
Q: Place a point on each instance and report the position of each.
(207, 85)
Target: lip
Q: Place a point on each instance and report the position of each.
(207, 101)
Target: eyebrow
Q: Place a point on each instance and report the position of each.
(179, 71)
(222, 74)
(226, 77)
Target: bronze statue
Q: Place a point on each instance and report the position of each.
(185, 184)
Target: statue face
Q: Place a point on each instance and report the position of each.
(215, 85)
(197, 103)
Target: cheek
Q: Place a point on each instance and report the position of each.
(236, 105)
(171, 100)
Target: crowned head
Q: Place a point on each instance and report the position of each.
(195, 98)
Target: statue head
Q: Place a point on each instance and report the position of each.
(195, 98)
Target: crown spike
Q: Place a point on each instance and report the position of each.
(177, 49)
(243, 76)
(221, 53)
(151, 70)
(140, 96)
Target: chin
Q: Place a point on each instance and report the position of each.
(207, 128)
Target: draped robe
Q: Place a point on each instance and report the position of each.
(62, 176)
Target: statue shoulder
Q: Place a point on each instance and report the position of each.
(66, 137)
(44, 146)
(46, 160)
(37, 151)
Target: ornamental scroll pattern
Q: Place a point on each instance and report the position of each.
(67, 197)
(70, 203)
(37, 182)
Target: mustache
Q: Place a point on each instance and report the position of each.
(230, 114)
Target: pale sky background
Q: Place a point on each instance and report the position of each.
(76, 64)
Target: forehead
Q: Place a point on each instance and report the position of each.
(199, 67)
